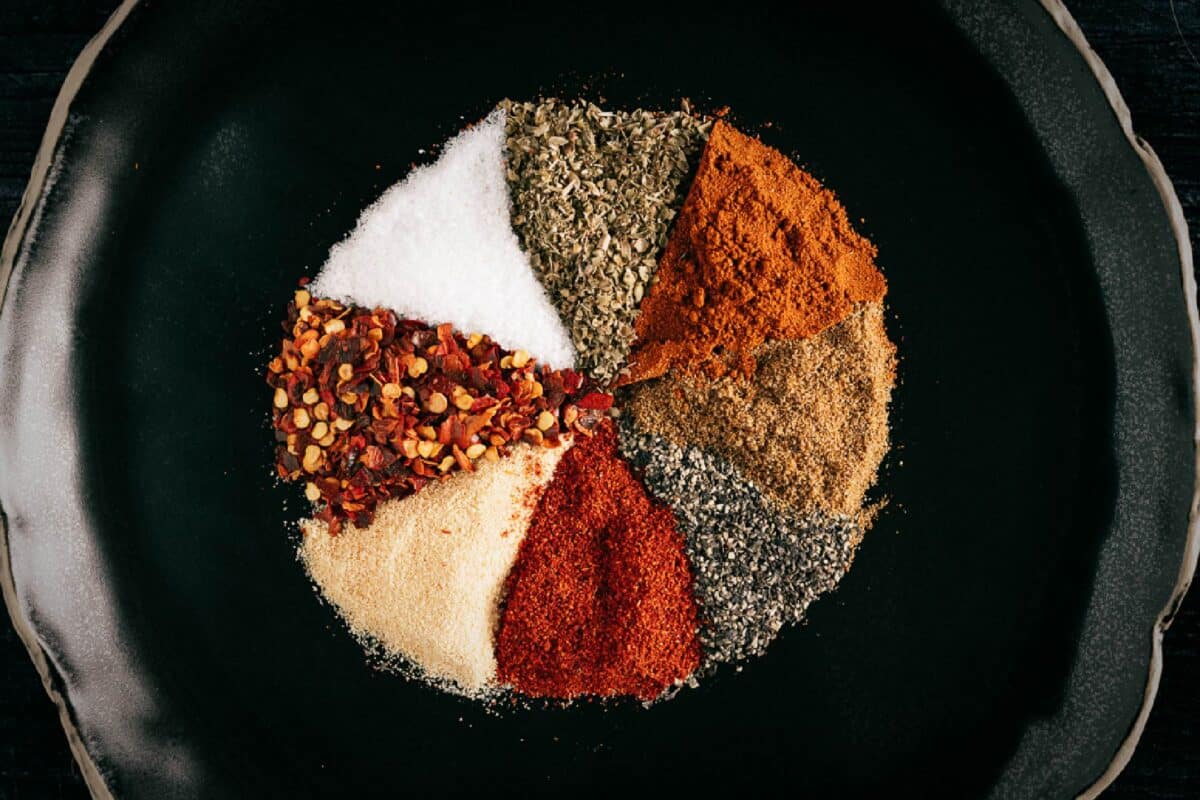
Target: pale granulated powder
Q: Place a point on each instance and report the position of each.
(439, 247)
(425, 580)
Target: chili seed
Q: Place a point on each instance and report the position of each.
(312, 458)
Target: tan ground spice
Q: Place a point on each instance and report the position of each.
(811, 427)
(760, 251)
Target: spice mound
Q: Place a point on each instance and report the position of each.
(369, 407)
(809, 428)
(422, 584)
(595, 192)
(622, 619)
(587, 408)
(760, 251)
(756, 566)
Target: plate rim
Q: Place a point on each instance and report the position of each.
(40, 182)
(1187, 569)
(31, 199)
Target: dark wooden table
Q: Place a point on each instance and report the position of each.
(1151, 47)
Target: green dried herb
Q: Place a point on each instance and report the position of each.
(594, 193)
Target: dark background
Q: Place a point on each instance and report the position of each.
(1145, 43)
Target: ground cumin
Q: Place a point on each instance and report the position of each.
(760, 251)
(809, 429)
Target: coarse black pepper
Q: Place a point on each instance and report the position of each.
(756, 567)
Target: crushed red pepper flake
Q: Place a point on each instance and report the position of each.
(368, 406)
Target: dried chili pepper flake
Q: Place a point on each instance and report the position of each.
(371, 406)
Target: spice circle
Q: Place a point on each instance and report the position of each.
(587, 407)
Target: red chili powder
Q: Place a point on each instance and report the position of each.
(600, 600)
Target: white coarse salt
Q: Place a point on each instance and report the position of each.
(439, 247)
(425, 580)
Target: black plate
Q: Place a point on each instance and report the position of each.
(998, 634)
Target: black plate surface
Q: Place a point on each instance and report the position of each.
(995, 635)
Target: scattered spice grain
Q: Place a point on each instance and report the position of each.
(600, 600)
(760, 251)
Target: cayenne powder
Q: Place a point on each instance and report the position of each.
(760, 251)
(600, 601)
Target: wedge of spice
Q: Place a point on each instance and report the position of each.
(594, 192)
(600, 600)
(757, 566)
(422, 586)
(760, 251)
(810, 428)
(367, 406)
(439, 245)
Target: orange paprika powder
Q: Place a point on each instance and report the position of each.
(760, 251)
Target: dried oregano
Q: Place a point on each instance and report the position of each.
(594, 193)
